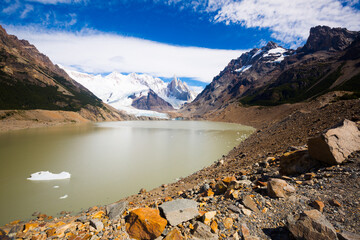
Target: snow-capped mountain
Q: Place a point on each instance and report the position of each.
(120, 90)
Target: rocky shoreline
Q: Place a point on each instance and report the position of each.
(237, 197)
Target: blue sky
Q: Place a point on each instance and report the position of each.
(190, 39)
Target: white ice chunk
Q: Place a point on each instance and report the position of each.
(63, 197)
(46, 175)
(55, 186)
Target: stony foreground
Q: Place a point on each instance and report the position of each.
(277, 195)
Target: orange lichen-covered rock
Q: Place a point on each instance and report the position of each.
(145, 223)
(174, 234)
(30, 226)
(227, 180)
(98, 214)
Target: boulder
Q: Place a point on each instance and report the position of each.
(297, 162)
(311, 225)
(202, 231)
(334, 145)
(145, 223)
(115, 210)
(179, 210)
(278, 188)
(345, 235)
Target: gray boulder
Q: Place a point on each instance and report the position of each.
(335, 144)
(115, 210)
(311, 225)
(179, 210)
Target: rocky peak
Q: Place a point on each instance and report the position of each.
(270, 45)
(180, 90)
(323, 38)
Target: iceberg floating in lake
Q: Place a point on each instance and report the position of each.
(63, 197)
(46, 175)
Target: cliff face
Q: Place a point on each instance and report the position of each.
(274, 75)
(29, 80)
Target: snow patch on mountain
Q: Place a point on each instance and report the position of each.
(243, 68)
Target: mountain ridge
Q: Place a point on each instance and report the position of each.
(274, 75)
(29, 80)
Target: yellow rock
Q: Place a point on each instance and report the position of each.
(30, 226)
(145, 223)
(214, 226)
(202, 204)
(208, 216)
(167, 199)
(228, 223)
(174, 234)
(98, 214)
(229, 179)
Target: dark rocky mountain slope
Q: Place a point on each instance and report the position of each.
(272, 75)
(151, 101)
(29, 80)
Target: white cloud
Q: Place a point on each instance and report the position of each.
(288, 20)
(97, 52)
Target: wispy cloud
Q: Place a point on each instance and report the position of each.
(12, 7)
(97, 52)
(28, 8)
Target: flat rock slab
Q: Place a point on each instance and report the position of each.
(115, 210)
(250, 204)
(179, 211)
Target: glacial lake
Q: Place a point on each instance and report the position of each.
(107, 161)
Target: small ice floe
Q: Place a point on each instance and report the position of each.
(46, 175)
(63, 197)
(55, 186)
